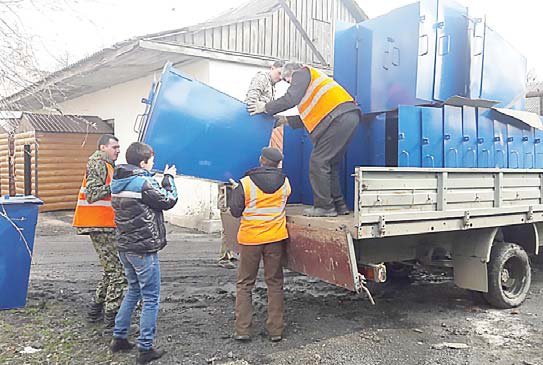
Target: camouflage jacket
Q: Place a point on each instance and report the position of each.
(96, 185)
(260, 89)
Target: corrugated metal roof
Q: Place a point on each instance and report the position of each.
(51, 123)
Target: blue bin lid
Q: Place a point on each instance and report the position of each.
(20, 199)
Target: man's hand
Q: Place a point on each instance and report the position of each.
(233, 183)
(172, 171)
(281, 121)
(256, 108)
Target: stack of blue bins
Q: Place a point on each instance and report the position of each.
(432, 81)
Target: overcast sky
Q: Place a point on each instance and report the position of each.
(72, 29)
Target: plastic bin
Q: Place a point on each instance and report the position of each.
(18, 218)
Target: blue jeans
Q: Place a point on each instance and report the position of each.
(143, 275)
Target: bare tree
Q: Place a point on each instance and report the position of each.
(20, 66)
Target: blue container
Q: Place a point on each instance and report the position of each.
(292, 163)
(485, 139)
(452, 136)
(514, 147)
(500, 145)
(432, 137)
(307, 148)
(18, 218)
(205, 133)
(498, 71)
(409, 136)
(412, 55)
(469, 137)
(528, 148)
(538, 148)
(345, 56)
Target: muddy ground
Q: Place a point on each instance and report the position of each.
(325, 324)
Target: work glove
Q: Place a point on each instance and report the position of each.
(256, 108)
(233, 183)
(281, 121)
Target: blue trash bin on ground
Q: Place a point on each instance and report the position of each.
(18, 218)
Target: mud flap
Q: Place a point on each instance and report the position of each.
(324, 254)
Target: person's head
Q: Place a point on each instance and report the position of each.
(289, 69)
(275, 71)
(109, 144)
(270, 157)
(141, 155)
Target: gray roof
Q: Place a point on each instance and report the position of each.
(130, 59)
(51, 123)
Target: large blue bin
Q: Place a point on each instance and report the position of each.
(18, 218)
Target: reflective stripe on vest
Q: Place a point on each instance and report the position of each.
(98, 214)
(321, 97)
(264, 217)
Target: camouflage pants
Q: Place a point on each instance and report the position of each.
(110, 289)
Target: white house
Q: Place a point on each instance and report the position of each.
(224, 52)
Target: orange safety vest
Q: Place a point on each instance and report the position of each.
(321, 97)
(99, 214)
(264, 219)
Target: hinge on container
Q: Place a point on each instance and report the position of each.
(530, 214)
(382, 225)
(467, 219)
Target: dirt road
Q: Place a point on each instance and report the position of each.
(325, 325)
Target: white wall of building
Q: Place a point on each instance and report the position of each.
(197, 206)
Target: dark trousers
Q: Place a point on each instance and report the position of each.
(249, 260)
(326, 158)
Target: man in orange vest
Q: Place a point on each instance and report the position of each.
(94, 216)
(260, 201)
(331, 116)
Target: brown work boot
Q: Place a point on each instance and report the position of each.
(147, 356)
(242, 338)
(120, 344)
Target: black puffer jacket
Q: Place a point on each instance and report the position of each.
(138, 201)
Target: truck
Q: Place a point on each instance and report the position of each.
(483, 220)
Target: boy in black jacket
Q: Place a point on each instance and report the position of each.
(138, 201)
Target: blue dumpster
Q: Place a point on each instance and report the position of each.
(432, 137)
(469, 137)
(18, 218)
(500, 145)
(452, 135)
(485, 138)
(189, 122)
(514, 147)
(538, 144)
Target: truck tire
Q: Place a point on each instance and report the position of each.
(509, 275)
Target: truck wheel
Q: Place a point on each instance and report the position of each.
(509, 276)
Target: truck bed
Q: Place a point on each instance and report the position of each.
(295, 215)
(404, 201)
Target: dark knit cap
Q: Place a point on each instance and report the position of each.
(273, 154)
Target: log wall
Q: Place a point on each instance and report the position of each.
(58, 161)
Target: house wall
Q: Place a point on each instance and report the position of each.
(197, 209)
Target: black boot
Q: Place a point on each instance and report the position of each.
(341, 207)
(145, 357)
(95, 312)
(120, 344)
(109, 319)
